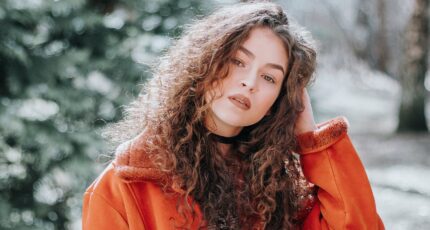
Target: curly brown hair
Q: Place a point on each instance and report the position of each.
(251, 186)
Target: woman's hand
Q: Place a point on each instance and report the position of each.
(305, 121)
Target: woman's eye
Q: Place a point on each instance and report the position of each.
(237, 62)
(268, 78)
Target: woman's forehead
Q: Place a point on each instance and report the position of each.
(266, 45)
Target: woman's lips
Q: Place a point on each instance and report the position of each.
(240, 101)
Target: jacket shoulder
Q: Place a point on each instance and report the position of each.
(107, 182)
(109, 188)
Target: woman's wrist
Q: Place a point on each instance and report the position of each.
(305, 121)
(306, 128)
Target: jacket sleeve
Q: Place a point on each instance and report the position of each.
(329, 160)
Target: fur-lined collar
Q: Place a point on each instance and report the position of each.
(132, 162)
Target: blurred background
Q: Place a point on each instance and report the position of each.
(68, 66)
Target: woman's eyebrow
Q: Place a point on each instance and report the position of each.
(251, 55)
(247, 52)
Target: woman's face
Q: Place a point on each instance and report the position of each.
(255, 78)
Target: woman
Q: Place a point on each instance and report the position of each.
(216, 132)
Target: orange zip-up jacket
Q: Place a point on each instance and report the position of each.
(127, 195)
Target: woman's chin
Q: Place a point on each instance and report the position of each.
(236, 120)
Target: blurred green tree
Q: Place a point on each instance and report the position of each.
(65, 69)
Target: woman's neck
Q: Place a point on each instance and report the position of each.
(220, 128)
(224, 148)
(223, 143)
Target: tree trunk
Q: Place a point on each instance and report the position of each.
(374, 47)
(383, 52)
(414, 67)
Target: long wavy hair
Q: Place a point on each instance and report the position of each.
(257, 184)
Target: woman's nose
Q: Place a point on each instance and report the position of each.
(250, 83)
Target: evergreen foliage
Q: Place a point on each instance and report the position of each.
(66, 67)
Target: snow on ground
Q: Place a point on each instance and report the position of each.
(402, 197)
(398, 167)
(402, 211)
